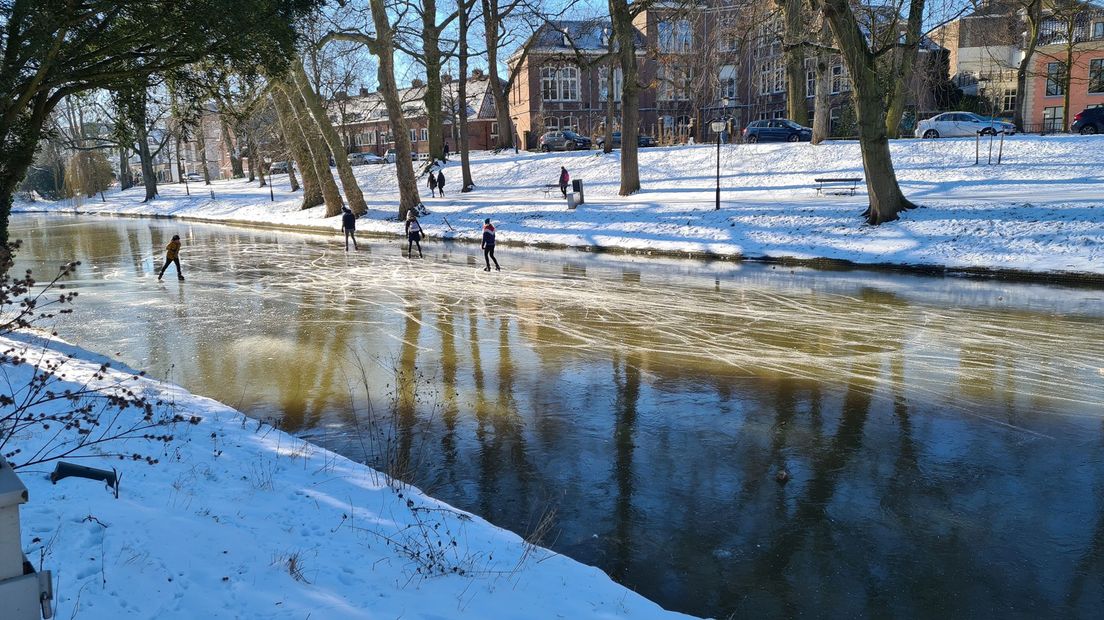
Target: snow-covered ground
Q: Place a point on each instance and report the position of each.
(239, 520)
(1040, 210)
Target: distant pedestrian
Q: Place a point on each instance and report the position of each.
(690, 131)
(489, 245)
(172, 255)
(565, 178)
(413, 233)
(432, 184)
(441, 182)
(348, 226)
(446, 153)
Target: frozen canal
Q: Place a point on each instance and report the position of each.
(943, 438)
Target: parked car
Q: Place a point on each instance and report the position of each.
(390, 156)
(642, 140)
(1088, 121)
(563, 141)
(193, 177)
(362, 159)
(278, 167)
(777, 130)
(952, 124)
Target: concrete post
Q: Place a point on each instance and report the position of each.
(24, 594)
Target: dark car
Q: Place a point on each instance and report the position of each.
(641, 140)
(777, 130)
(566, 140)
(1088, 121)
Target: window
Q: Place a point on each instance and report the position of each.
(551, 123)
(424, 135)
(413, 135)
(604, 86)
(763, 116)
(570, 123)
(675, 36)
(1052, 119)
(841, 82)
(779, 114)
(494, 130)
(1098, 30)
(1008, 100)
(772, 77)
(1096, 75)
(560, 83)
(727, 79)
(810, 77)
(728, 35)
(1055, 84)
(674, 82)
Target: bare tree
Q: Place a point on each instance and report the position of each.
(312, 189)
(464, 14)
(793, 49)
(1032, 11)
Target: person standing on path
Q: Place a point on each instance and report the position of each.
(441, 182)
(446, 153)
(413, 233)
(489, 245)
(348, 226)
(172, 255)
(565, 178)
(432, 184)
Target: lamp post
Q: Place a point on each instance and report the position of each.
(718, 126)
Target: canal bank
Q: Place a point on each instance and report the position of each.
(938, 434)
(1033, 218)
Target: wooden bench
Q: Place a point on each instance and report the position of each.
(849, 184)
(551, 187)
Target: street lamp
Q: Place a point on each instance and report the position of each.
(718, 126)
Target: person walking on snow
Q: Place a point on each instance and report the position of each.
(488, 245)
(565, 178)
(441, 182)
(446, 153)
(348, 226)
(172, 256)
(413, 233)
(432, 184)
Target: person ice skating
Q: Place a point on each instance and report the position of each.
(413, 233)
(488, 245)
(565, 178)
(440, 182)
(348, 226)
(172, 255)
(432, 184)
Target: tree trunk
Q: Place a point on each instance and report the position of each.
(385, 75)
(315, 149)
(292, 181)
(431, 57)
(179, 161)
(886, 199)
(1067, 79)
(625, 33)
(312, 189)
(249, 145)
(794, 58)
(1032, 18)
(462, 91)
(906, 55)
(231, 150)
(201, 145)
(259, 165)
(124, 169)
(333, 141)
(822, 113)
(491, 24)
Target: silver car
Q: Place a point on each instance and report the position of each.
(958, 124)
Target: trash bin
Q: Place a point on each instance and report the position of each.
(577, 187)
(571, 204)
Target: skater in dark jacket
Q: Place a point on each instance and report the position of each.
(489, 245)
(441, 182)
(565, 178)
(172, 256)
(348, 226)
(432, 184)
(413, 233)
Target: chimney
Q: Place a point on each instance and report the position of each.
(477, 74)
(417, 83)
(364, 92)
(446, 78)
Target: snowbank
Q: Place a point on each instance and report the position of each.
(239, 520)
(1040, 210)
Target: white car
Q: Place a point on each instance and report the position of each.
(361, 159)
(956, 124)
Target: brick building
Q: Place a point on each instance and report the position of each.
(1046, 91)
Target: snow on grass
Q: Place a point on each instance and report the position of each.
(1041, 210)
(239, 520)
